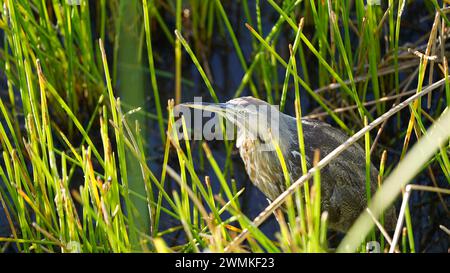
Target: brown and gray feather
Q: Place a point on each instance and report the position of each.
(343, 186)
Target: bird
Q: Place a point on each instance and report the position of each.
(343, 180)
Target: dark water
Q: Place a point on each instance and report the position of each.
(227, 74)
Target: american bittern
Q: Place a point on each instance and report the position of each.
(343, 186)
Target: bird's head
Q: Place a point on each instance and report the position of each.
(254, 118)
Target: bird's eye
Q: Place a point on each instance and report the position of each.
(261, 140)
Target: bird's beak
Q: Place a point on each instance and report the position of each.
(219, 108)
(225, 110)
(237, 115)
